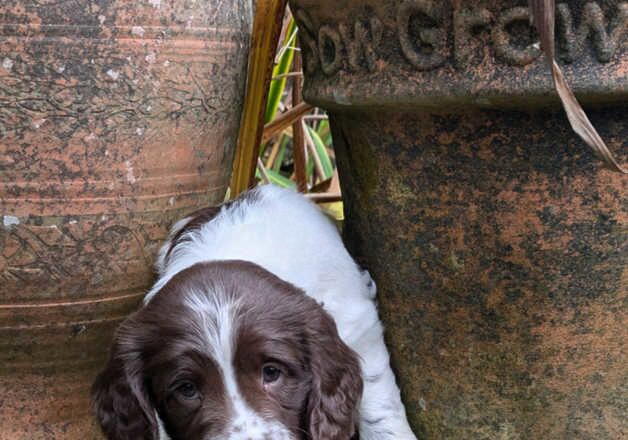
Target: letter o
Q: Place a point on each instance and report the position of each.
(329, 49)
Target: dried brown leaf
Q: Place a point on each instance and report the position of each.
(285, 120)
(543, 16)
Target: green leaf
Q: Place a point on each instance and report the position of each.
(309, 167)
(281, 154)
(321, 150)
(278, 86)
(277, 179)
(324, 132)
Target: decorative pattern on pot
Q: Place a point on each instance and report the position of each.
(116, 118)
(497, 240)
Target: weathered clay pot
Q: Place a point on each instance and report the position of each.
(497, 240)
(116, 118)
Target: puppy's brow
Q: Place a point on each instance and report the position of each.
(214, 323)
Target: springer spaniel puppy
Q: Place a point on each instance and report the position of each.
(260, 326)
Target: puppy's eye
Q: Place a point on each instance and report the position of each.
(187, 390)
(270, 373)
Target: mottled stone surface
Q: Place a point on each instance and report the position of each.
(116, 118)
(498, 242)
(501, 258)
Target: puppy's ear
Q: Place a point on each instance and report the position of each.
(120, 400)
(336, 383)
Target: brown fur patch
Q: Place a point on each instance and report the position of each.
(315, 397)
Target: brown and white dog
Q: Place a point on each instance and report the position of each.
(260, 326)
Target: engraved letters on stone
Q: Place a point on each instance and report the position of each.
(419, 29)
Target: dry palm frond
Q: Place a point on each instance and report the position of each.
(298, 131)
(269, 15)
(543, 14)
(285, 120)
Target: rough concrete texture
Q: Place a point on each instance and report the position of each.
(500, 252)
(116, 118)
(498, 242)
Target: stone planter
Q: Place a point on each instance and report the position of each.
(116, 118)
(497, 240)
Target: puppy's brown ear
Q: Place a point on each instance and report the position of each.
(336, 383)
(120, 400)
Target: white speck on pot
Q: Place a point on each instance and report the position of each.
(7, 64)
(151, 58)
(155, 3)
(341, 98)
(101, 19)
(38, 123)
(10, 220)
(422, 404)
(137, 31)
(113, 74)
(130, 177)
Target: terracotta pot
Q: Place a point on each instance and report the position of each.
(116, 118)
(497, 239)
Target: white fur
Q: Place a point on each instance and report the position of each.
(163, 435)
(287, 235)
(215, 321)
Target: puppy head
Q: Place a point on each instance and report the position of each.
(228, 351)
